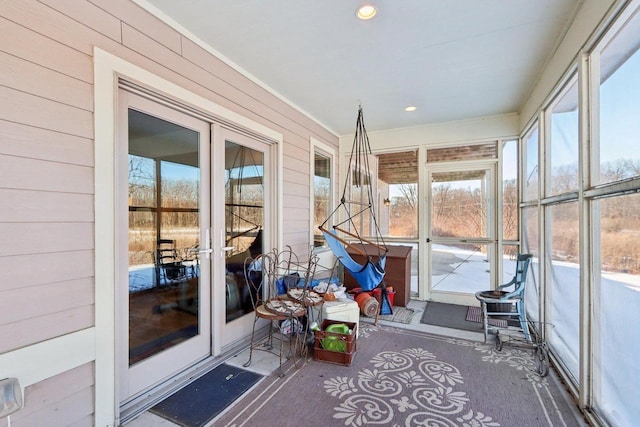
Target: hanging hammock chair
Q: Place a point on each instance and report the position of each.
(238, 223)
(346, 238)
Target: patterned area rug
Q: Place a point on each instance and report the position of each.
(400, 377)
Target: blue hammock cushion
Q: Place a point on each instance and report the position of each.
(369, 275)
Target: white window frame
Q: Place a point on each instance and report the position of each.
(317, 146)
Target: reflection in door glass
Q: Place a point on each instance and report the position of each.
(244, 219)
(164, 230)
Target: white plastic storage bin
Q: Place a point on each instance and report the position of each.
(344, 310)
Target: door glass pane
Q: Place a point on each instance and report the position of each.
(563, 291)
(460, 267)
(460, 211)
(164, 230)
(617, 349)
(460, 204)
(244, 220)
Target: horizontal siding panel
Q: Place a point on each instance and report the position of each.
(300, 152)
(302, 250)
(90, 15)
(293, 202)
(297, 164)
(299, 242)
(291, 175)
(88, 421)
(27, 206)
(27, 141)
(31, 78)
(20, 107)
(206, 84)
(27, 44)
(27, 332)
(51, 23)
(63, 412)
(203, 79)
(32, 270)
(257, 104)
(44, 299)
(29, 174)
(134, 15)
(287, 113)
(296, 188)
(296, 225)
(32, 238)
(142, 43)
(45, 268)
(197, 80)
(69, 394)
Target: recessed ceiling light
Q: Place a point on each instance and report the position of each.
(366, 12)
(410, 108)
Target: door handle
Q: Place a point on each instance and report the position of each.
(222, 243)
(207, 244)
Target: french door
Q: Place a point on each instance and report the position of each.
(164, 244)
(195, 200)
(462, 231)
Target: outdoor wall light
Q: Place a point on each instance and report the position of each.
(387, 202)
(10, 396)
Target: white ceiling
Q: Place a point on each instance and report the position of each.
(452, 59)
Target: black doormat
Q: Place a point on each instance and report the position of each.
(202, 400)
(449, 316)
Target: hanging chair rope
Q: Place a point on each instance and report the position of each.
(358, 175)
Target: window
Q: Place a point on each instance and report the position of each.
(361, 193)
(531, 165)
(616, 369)
(620, 106)
(530, 245)
(510, 192)
(322, 187)
(616, 230)
(564, 143)
(562, 234)
(398, 189)
(563, 288)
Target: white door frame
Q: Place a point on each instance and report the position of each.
(109, 71)
(461, 298)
